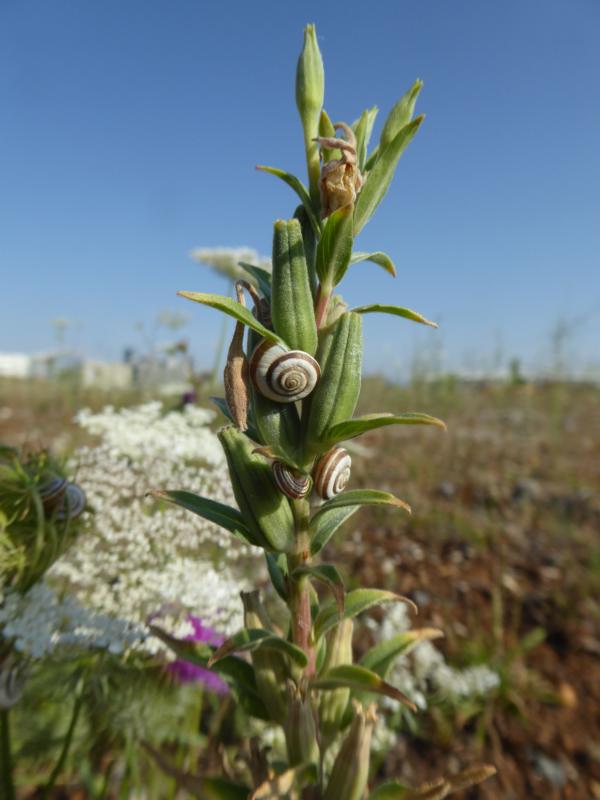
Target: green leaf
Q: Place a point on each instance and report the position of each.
(397, 311)
(297, 185)
(362, 497)
(349, 428)
(335, 247)
(359, 679)
(276, 564)
(326, 524)
(281, 785)
(225, 516)
(326, 130)
(235, 310)
(261, 277)
(380, 658)
(380, 177)
(357, 601)
(328, 574)
(379, 258)
(251, 431)
(363, 128)
(390, 791)
(250, 639)
(400, 115)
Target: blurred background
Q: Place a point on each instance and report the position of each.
(129, 136)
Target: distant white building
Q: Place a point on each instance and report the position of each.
(15, 365)
(105, 375)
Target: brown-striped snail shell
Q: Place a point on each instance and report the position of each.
(292, 483)
(332, 472)
(52, 493)
(283, 375)
(73, 503)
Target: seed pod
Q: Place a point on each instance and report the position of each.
(73, 503)
(283, 375)
(350, 771)
(333, 704)
(332, 472)
(291, 482)
(299, 728)
(336, 395)
(277, 423)
(52, 493)
(235, 379)
(265, 509)
(310, 246)
(292, 309)
(269, 666)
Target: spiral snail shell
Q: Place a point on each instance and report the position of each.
(291, 483)
(332, 472)
(283, 375)
(52, 493)
(73, 504)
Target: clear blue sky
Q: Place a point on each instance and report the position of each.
(129, 132)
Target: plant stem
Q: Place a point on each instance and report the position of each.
(299, 602)
(77, 706)
(6, 765)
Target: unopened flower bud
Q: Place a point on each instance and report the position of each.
(300, 729)
(350, 771)
(310, 90)
(333, 704)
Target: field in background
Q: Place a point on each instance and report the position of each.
(502, 552)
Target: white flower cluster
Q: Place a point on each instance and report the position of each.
(137, 561)
(424, 673)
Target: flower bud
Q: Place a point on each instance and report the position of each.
(310, 91)
(350, 771)
(269, 667)
(300, 729)
(333, 704)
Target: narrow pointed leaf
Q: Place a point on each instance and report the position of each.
(225, 516)
(379, 258)
(380, 177)
(233, 309)
(196, 653)
(400, 115)
(250, 639)
(362, 497)
(356, 602)
(328, 574)
(280, 786)
(275, 566)
(326, 130)
(359, 679)
(297, 185)
(390, 791)
(335, 247)
(397, 311)
(398, 791)
(380, 658)
(261, 276)
(470, 777)
(326, 524)
(362, 130)
(349, 428)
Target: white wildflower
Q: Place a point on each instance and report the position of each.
(225, 260)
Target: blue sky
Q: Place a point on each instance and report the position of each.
(130, 130)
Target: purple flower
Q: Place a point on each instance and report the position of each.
(185, 672)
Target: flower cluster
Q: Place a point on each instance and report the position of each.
(226, 260)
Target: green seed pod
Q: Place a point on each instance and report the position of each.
(333, 704)
(336, 395)
(300, 730)
(265, 509)
(350, 771)
(277, 423)
(310, 91)
(292, 308)
(270, 668)
(310, 247)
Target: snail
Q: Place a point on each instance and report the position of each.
(12, 681)
(73, 504)
(52, 493)
(292, 483)
(283, 375)
(332, 472)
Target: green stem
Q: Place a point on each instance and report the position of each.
(6, 764)
(77, 706)
(321, 304)
(299, 602)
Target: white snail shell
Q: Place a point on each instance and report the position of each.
(332, 472)
(283, 375)
(291, 483)
(73, 504)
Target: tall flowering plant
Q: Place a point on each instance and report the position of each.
(292, 383)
